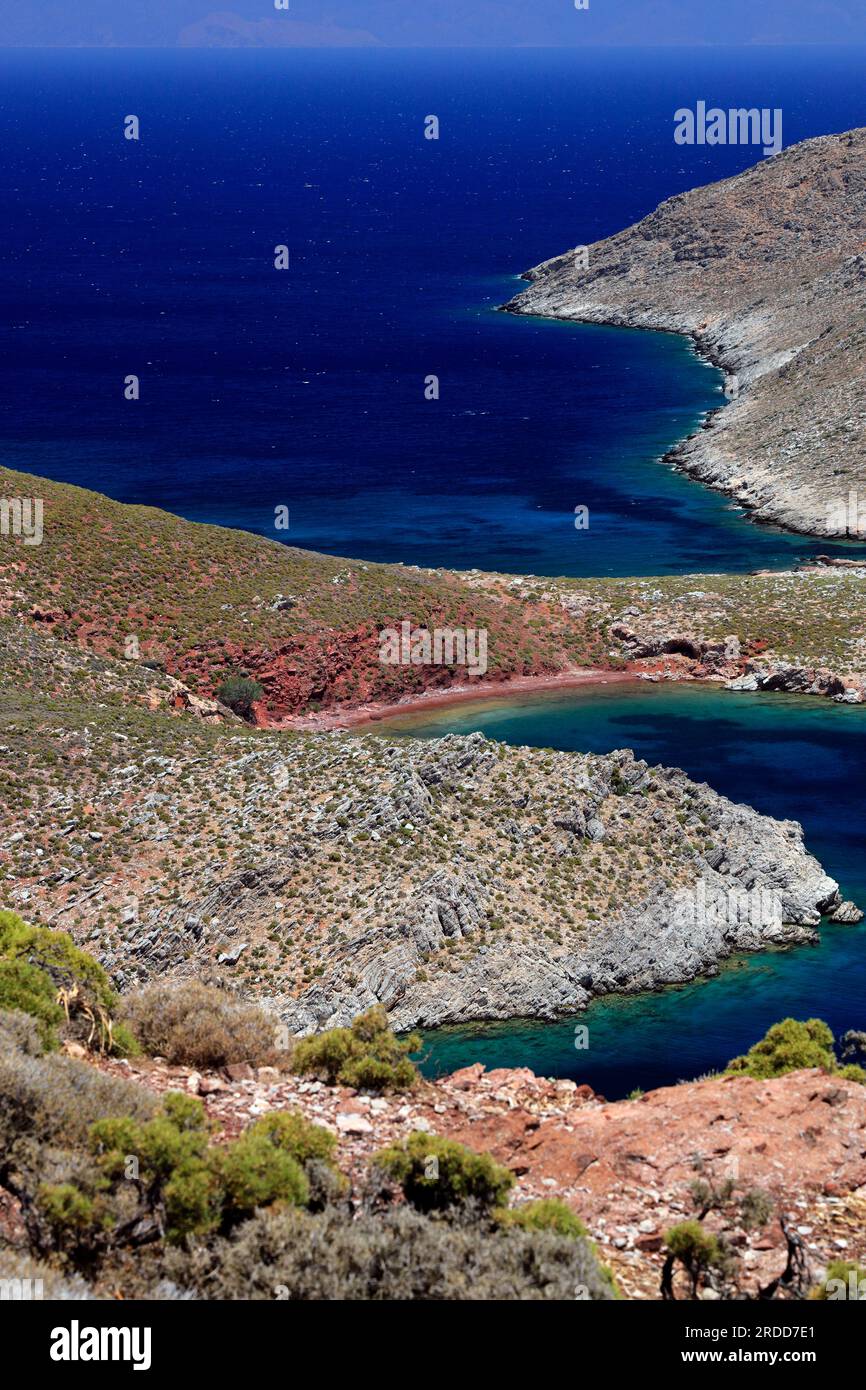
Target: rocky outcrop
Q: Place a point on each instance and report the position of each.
(724, 660)
(767, 273)
(799, 680)
(848, 913)
(547, 897)
(751, 885)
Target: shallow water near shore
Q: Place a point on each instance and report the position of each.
(792, 757)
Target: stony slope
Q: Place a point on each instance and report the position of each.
(451, 880)
(767, 271)
(624, 1167)
(203, 602)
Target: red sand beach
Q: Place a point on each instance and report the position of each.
(454, 695)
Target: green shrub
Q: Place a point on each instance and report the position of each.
(393, 1256)
(692, 1244)
(297, 1136)
(174, 1177)
(44, 974)
(98, 1164)
(697, 1249)
(195, 1025)
(379, 1074)
(47, 1105)
(310, 1146)
(165, 1174)
(324, 1055)
(26, 988)
(255, 1172)
(366, 1056)
(240, 694)
(547, 1214)
(437, 1173)
(793, 1046)
(192, 1186)
(66, 1208)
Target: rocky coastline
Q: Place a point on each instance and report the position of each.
(765, 272)
(441, 955)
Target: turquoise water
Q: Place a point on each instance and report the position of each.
(789, 756)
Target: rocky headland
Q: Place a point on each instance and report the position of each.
(767, 273)
(325, 872)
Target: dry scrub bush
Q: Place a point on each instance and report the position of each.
(397, 1255)
(195, 1025)
(19, 1032)
(53, 1100)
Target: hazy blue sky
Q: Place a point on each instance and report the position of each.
(492, 23)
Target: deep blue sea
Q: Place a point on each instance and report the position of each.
(305, 388)
(789, 756)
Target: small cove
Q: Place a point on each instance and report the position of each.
(789, 756)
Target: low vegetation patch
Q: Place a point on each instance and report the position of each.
(165, 1178)
(436, 1174)
(394, 1255)
(68, 994)
(367, 1055)
(195, 1025)
(240, 694)
(121, 1193)
(793, 1046)
(547, 1214)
